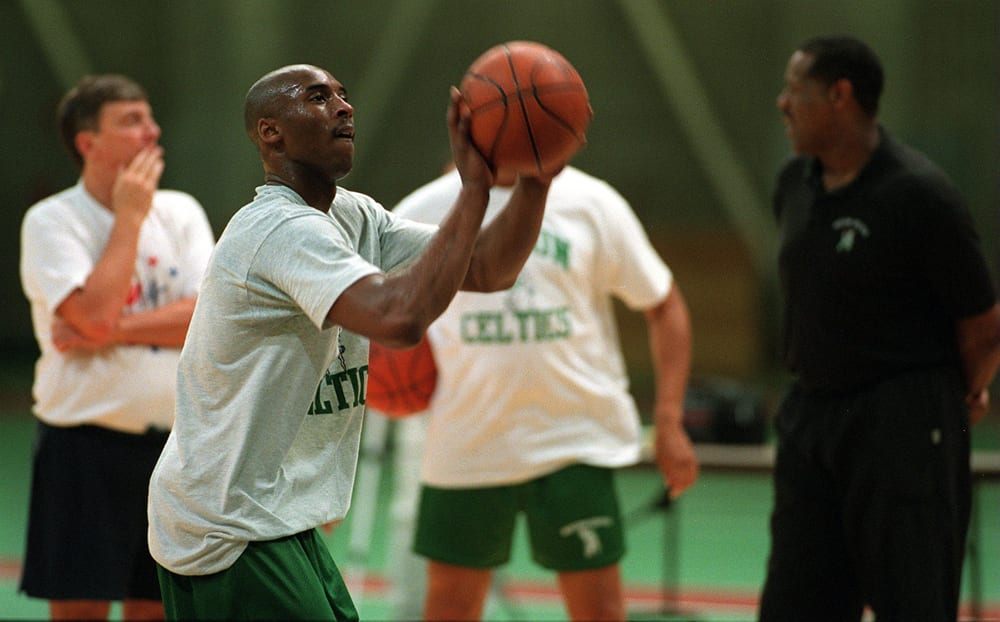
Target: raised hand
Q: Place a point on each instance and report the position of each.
(132, 193)
(471, 165)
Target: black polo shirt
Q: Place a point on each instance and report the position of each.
(875, 274)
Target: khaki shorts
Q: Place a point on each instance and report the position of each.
(573, 519)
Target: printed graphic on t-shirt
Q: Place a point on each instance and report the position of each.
(520, 326)
(341, 388)
(151, 285)
(552, 246)
(524, 318)
(850, 229)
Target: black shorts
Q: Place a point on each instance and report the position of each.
(87, 524)
(872, 500)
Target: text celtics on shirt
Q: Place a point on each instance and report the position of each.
(520, 323)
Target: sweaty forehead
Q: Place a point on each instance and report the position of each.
(268, 96)
(295, 80)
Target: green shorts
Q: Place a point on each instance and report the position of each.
(573, 520)
(291, 578)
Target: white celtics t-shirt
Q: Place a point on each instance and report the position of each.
(532, 379)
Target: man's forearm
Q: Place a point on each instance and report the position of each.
(164, 326)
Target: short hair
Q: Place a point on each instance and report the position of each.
(80, 107)
(257, 103)
(843, 57)
(266, 96)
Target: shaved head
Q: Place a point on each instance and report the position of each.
(266, 96)
(300, 121)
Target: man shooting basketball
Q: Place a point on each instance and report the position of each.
(271, 380)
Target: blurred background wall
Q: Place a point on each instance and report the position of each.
(683, 91)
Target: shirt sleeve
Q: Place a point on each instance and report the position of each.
(403, 240)
(54, 261)
(311, 262)
(947, 243)
(632, 269)
(201, 241)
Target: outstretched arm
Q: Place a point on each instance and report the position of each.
(397, 309)
(979, 346)
(507, 241)
(669, 328)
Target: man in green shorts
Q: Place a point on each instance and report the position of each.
(271, 381)
(532, 414)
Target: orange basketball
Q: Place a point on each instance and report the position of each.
(400, 382)
(530, 108)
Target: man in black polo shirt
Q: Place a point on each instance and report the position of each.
(892, 329)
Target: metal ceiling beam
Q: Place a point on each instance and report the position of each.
(63, 50)
(679, 84)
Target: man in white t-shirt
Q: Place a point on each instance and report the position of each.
(532, 410)
(111, 267)
(271, 385)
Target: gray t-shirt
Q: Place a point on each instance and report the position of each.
(269, 397)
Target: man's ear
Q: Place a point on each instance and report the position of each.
(268, 131)
(841, 92)
(84, 142)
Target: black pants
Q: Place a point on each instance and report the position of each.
(872, 499)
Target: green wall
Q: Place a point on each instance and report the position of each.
(397, 58)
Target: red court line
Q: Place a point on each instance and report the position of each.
(10, 569)
(636, 596)
(651, 598)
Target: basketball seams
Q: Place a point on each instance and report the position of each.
(558, 119)
(524, 108)
(500, 102)
(538, 91)
(548, 124)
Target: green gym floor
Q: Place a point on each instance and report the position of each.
(706, 552)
